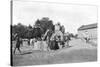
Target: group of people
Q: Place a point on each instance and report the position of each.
(54, 39)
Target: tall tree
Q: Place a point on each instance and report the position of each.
(45, 24)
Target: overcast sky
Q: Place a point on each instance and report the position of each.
(70, 15)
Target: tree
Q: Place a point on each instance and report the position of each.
(29, 32)
(30, 27)
(21, 30)
(37, 33)
(45, 24)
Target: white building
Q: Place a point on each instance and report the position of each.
(88, 31)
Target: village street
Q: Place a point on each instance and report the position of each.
(78, 52)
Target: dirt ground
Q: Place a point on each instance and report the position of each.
(78, 52)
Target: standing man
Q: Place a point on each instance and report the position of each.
(87, 37)
(18, 43)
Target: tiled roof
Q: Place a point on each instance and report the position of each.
(90, 26)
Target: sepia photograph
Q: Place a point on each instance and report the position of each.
(45, 33)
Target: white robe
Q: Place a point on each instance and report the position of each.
(57, 27)
(37, 45)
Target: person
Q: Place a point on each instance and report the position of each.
(57, 32)
(86, 36)
(63, 29)
(67, 39)
(57, 27)
(18, 43)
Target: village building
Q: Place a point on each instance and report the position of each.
(89, 31)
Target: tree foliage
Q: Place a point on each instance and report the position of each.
(22, 30)
(45, 24)
(30, 32)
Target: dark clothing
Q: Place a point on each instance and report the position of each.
(68, 38)
(18, 43)
(54, 45)
(87, 39)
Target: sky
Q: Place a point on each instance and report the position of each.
(72, 16)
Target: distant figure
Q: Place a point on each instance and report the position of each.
(67, 39)
(18, 43)
(28, 42)
(86, 37)
(63, 29)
